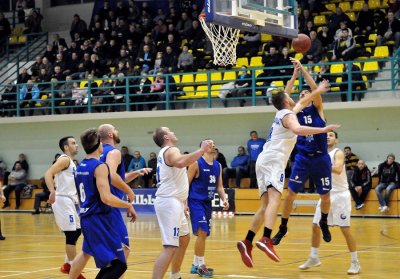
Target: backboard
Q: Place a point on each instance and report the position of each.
(275, 17)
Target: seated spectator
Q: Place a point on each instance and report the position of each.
(339, 32)
(33, 23)
(361, 184)
(118, 92)
(29, 95)
(137, 163)
(389, 29)
(142, 91)
(388, 174)
(357, 83)
(5, 31)
(334, 19)
(304, 18)
(145, 59)
(326, 37)
(184, 25)
(309, 27)
(271, 59)
(314, 54)
(23, 76)
(251, 44)
(42, 196)
(8, 100)
(365, 23)
(239, 168)
(79, 95)
(185, 60)
(126, 157)
(242, 86)
(17, 182)
(157, 87)
(58, 41)
(344, 48)
(169, 61)
(220, 158)
(196, 36)
(35, 68)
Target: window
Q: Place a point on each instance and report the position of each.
(54, 3)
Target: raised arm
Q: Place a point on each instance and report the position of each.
(173, 156)
(295, 76)
(290, 121)
(323, 87)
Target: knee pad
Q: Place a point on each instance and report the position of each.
(70, 237)
(78, 233)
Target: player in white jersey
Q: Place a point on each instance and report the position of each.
(171, 195)
(64, 198)
(270, 168)
(340, 211)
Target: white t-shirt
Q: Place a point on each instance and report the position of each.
(172, 181)
(339, 181)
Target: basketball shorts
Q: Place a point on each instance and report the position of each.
(340, 211)
(317, 168)
(119, 225)
(171, 219)
(66, 213)
(101, 239)
(200, 215)
(270, 171)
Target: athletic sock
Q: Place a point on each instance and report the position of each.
(354, 256)
(250, 235)
(195, 261)
(314, 252)
(176, 275)
(267, 232)
(201, 261)
(324, 217)
(284, 222)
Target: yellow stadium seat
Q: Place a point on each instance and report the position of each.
(22, 39)
(358, 64)
(177, 78)
(337, 69)
(216, 76)
(201, 91)
(370, 67)
(374, 4)
(335, 87)
(351, 15)
(189, 91)
(187, 78)
(230, 76)
(151, 78)
(381, 52)
(357, 6)
(365, 79)
(13, 40)
(319, 20)
(266, 38)
(345, 6)
(215, 90)
(201, 77)
(278, 84)
(83, 84)
(256, 61)
(242, 61)
(331, 7)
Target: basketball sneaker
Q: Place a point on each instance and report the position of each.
(279, 235)
(245, 247)
(194, 268)
(265, 245)
(65, 268)
(203, 271)
(81, 277)
(355, 268)
(311, 262)
(326, 234)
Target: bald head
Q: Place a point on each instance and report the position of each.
(108, 134)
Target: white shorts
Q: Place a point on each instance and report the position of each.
(270, 172)
(65, 213)
(172, 220)
(340, 212)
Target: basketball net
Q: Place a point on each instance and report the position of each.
(224, 41)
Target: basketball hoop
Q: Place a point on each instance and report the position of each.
(224, 41)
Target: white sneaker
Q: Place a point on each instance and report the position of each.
(380, 208)
(355, 268)
(384, 208)
(311, 262)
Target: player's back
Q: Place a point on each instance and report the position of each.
(172, 181)
(64, 180)
(311, 144)
(120, 170)
(204, 186)
(339, 181)
(280, 141)
(89, 196)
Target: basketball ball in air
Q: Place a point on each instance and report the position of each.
(301, 44)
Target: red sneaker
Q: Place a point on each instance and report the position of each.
(265, 245)
(65, 268)
(245, 247)
(81, 277)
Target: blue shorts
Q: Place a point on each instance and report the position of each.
(318, 168)
(119, 225)
(101, 240)
(200, 215)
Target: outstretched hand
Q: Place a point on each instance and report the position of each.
(206, 145)
(144, 171)
(324, 86)
(331, 127)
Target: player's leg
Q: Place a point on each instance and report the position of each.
(116, 269)
(78, 264)
(313, 260)
(355, 267)
(162, 262)
(179, 255)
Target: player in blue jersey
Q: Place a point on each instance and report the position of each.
(312, 160)
(101, 239)
(205, 179)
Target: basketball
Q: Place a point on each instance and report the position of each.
(301, 44)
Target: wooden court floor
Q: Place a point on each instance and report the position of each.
(34, 249)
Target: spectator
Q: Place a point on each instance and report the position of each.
(389, 29)
(271, 59)
(339, 32)
(220, 158)
(309, 27)
(334, 19)
(142, 91)
(35, 68)
(118, 91)
(239, 168)
(145, 59)
(251, 44)
(196, 36)
(388, 173)
(78, 26)
(169, 61)
(254, 147)
(357, 83)
(137, 163)
(351, 161)
(58, 41)
(361, 184)
(5, 29)
(157, 87)
(50, 53)
(364, 22)
(39, 197)
(24, 163)
(20, 6)
(33, 24)
(185, 60)
(304, 18)
(326, 37)
(126, 157)
(345, 47)
(184, 25)
(29, 95)
(151, 177)
(8, 100)
(17, 182)
(314, 54)
(242, 86)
